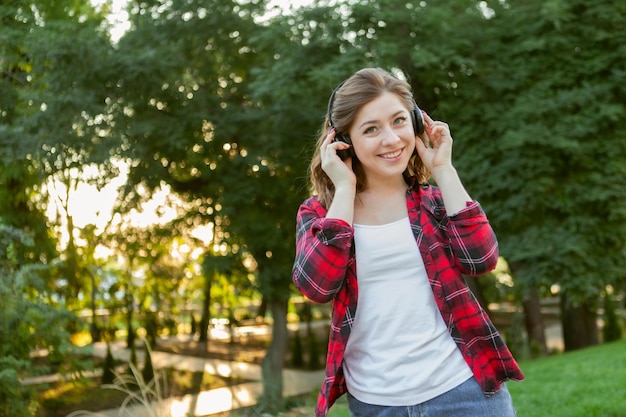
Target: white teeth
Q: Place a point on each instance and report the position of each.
(392, 155)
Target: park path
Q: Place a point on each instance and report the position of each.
(222, 400)
(295, 382)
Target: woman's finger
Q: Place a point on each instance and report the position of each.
(427, 119)
(331, 135)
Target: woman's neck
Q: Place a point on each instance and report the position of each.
(380, 204)
(385, 188)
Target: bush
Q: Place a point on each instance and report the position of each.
(138, 394)
(26, 322)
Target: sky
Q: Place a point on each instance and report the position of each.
(118, 17)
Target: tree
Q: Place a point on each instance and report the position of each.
(277, 133)
(55, 114)
(230, 132)
(540, 121)
(42, 84)
(190, 126)
(20, 206)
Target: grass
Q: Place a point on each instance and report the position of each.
(149, 395)
(585, 383)
(61, 398)
(340, 408)
(64, 397)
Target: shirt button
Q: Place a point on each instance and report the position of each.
(439, 294)
(468, 353)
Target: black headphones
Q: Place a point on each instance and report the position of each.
(417, 118)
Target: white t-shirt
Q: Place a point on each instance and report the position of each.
(399, 351)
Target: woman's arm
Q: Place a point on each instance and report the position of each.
(323, 250)
(472, 240)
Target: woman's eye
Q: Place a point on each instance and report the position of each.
(370, 130)
(399, 120)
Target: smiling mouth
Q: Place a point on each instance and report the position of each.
(391, 155)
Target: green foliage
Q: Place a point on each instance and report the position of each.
(149, 397)
(27, 322)
(16, 400)
(540, 123)
(55, 71)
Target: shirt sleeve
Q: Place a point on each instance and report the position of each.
(472, 240)
(323, 251)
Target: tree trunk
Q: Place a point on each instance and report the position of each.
(533, 320)
(205, 321)
(74, 286)
(130, 306)
(308, 318)
(93, 327)
(534, 324)
(262, 310)
(272, 369)
(579, 321)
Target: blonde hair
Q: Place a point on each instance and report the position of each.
(362, 87)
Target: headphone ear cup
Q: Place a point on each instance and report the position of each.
(418, 120)
(344, 153)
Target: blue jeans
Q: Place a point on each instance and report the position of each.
(466, 400)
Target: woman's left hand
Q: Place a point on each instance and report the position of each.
(439, 154)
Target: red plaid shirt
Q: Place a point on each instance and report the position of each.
(325, 270)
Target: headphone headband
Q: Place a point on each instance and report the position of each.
(331, 100)
(416, 113)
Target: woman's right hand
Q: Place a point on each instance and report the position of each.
(343, 178)
(340, 172)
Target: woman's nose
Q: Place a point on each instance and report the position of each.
(390, 137)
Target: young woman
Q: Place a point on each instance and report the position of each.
(407, 336)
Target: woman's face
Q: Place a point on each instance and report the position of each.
(383, 138)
